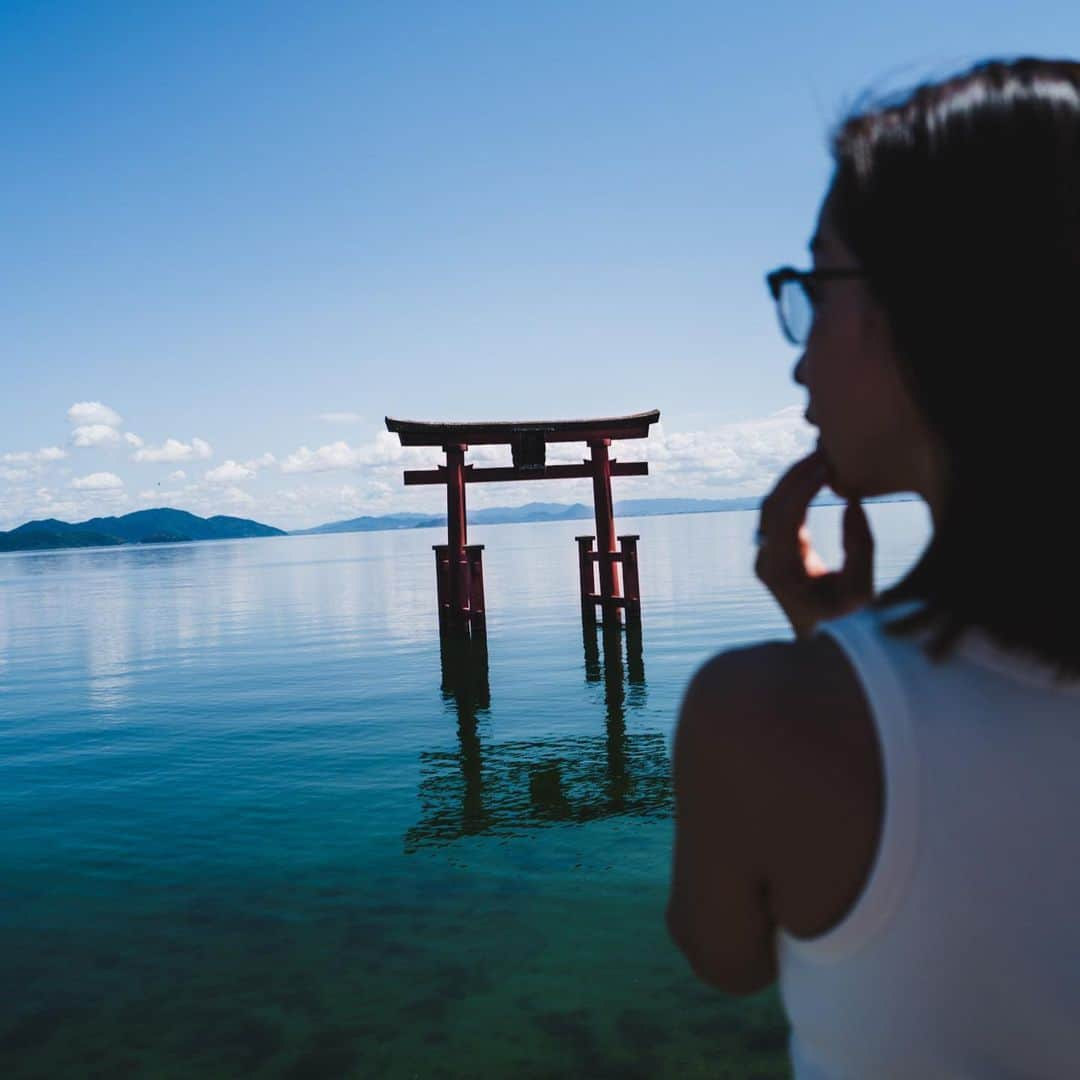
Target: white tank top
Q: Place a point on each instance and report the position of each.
(961, 954)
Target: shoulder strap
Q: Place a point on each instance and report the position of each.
(860, 637)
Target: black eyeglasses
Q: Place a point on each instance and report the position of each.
(796, 296)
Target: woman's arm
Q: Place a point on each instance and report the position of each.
(726, 793)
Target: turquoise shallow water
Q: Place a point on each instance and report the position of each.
(256, 821)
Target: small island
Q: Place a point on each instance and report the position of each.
(160, 526)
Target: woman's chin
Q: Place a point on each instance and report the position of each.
(838, 485)
(833, 480)
(835, 483)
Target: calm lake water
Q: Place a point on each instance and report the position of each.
(253, 821)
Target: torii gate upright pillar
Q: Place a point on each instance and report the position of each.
(455, 495)
(456, 528)
(604, 511)
(459, 568)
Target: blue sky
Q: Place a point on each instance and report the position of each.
(265, 226)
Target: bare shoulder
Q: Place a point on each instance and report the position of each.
(777, 668)
(808, 766)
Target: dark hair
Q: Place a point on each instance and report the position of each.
(961, 202)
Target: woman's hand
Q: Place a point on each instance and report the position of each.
(790, 567)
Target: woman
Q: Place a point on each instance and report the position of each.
(883, 813)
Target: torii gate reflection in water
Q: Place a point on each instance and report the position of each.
(502, 788)
(459, 565)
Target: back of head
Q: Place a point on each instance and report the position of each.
(961, 202)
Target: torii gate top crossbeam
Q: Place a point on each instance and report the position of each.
(441, 433)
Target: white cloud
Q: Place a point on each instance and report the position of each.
(735, 460)
(238, 497)
(337, 455)
(95, 435)
(340, 417)
(68, 505)
(98, 425)
(27, 457)
(45, 505)
(745, 458)
(174, 450)
(385, 450)
(364, 476)
(315, 500)
(229, 472)
(93, 413)
(99, 481)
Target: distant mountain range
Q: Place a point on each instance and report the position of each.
(163, 526)
(499, 515)
(168, 526)
(536, 512)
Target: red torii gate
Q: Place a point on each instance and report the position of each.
(459, 565)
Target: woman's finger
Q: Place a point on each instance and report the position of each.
(784, 509)
(858, 570)
(789, 567)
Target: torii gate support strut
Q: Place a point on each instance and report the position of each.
(459, 565)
